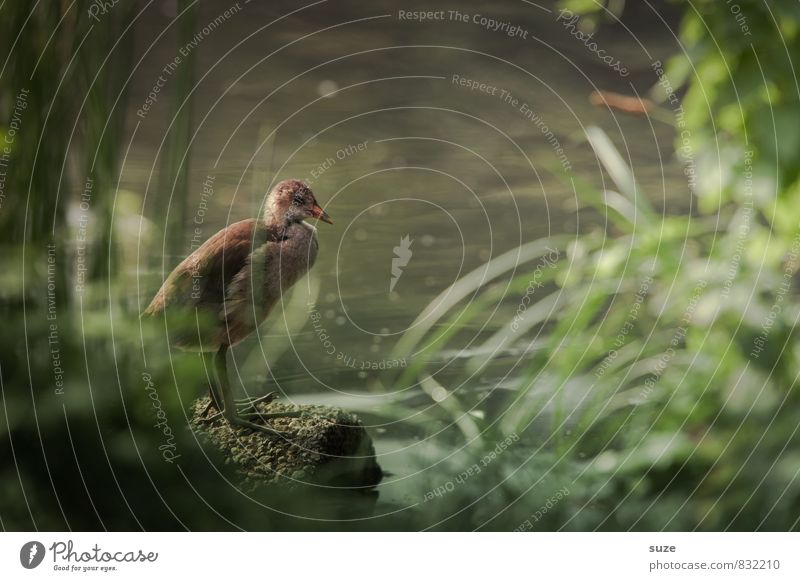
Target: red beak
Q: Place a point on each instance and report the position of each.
(320, 214)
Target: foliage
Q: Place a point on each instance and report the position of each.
(644, 386)
(659, 367)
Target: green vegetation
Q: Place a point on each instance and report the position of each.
(660, 362)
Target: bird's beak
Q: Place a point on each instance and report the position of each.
(320, 214)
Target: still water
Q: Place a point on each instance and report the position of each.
(434, 146)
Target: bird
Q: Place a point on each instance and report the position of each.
(222, 292)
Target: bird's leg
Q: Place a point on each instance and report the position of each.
(215, 400)
(229, 410)
(209, 405)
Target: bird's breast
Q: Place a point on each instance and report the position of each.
(290, 259)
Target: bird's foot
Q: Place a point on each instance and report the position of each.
(244, 407)
(205, 419)
(273, 415)
(204, 414)
(250, 403)
(242, 422)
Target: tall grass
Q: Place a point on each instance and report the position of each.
(173, 197)
(634, 360)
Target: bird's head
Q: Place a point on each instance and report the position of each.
(293, 201)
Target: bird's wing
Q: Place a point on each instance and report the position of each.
(250, 293)
(202, 279)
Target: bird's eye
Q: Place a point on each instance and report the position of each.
(298, 200)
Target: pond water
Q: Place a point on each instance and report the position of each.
(434, 146)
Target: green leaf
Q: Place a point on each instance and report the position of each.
(618, 170)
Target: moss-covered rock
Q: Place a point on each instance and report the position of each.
(324, 445)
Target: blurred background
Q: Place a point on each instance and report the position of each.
(591, 204)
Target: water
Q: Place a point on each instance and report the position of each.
(399, 150)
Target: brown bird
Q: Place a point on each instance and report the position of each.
(226, 288)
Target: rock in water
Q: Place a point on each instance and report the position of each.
(325, 445)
